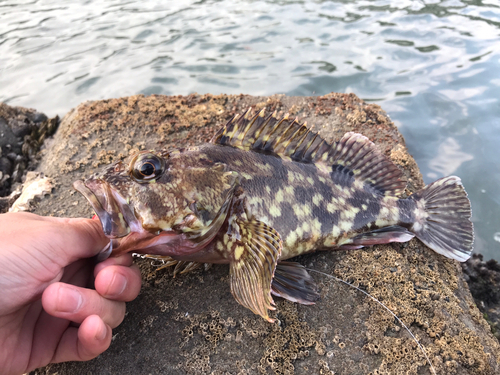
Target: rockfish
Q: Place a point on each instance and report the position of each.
(267, 189)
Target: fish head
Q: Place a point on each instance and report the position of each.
(158, 203)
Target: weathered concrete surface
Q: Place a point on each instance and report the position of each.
(191, 324)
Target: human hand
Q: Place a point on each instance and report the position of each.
(45, 264)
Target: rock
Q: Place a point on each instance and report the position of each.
(39, 117)
(8, 140)
(35, 186)
(5, 166)
(484, 283)
(191, 323)
(22, 132)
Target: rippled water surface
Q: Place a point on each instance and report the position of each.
(434, 66)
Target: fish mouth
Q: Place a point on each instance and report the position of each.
(116, 216)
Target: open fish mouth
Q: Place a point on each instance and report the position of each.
(116, 215)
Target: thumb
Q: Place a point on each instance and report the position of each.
(78, 238)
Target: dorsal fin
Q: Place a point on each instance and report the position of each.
(354, 155)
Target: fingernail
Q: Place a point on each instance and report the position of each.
(101, 332)
(69, 300)
(118, 285)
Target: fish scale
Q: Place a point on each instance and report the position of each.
(267, 189)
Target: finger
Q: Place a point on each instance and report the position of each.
(83, 238)
(76, 304)
(121, 260)
(119, 283)
(85, 342)
(63, 240)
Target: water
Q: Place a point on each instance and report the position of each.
(434, 66)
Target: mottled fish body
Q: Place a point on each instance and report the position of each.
(263, 191)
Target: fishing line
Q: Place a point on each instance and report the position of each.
(385, 307)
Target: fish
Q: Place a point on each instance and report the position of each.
(266, 189)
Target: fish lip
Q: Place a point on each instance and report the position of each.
(99, 195)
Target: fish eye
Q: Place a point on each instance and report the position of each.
(147, 167)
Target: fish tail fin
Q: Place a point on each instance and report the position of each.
(443, 218)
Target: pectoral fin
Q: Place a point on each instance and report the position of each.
(292, 282)
(252, 266)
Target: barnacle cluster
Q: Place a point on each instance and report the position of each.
(209, 328)
(290, 340)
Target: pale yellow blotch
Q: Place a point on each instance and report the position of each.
(335, 231)
(307, 209)
(364, 207)
(238, 163)
(344, 241)
(394, 213)
(162, 224)
(330, 241)
(301, 248)
(226, 239)
(291, 239)
(268, 189)
(389, 199)
(322, 169)
(261, 166)
(220, 246)
(302, 210)
(358, 184)
(254, 200)
(299, 232)
(289, 190)
(316, 225)
(291, 177)
(305, 226)
(382, 223)
(246, 175)
(274, 211)
(238, 252)
(298, 210)
(350, 213)
(317, 198)
(279, 196)
(310, 180)
(346, 226)
(384, 212)
(331, 208)
(341, 200)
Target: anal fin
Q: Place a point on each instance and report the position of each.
(394, 233)
(252, 266)
(292, 282)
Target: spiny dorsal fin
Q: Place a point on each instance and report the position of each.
(353, 155)
(363, 159)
